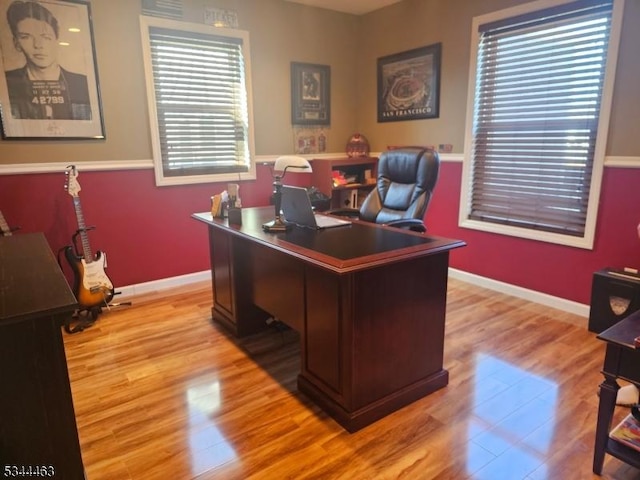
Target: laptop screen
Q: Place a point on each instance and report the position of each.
(296, 207)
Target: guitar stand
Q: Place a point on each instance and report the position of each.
(119, 304)
(86, 317)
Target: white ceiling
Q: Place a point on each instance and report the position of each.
(355, 7)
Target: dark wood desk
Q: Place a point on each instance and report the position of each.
(368, 301)
(37, 419)
(621, 360)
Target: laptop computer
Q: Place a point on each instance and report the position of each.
(296, 207)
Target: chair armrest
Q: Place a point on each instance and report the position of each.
(344, 212)
(414, 224)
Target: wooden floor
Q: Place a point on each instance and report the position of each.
(162, 392)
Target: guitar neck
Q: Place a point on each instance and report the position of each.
(82, 229)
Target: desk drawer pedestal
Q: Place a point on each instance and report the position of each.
(372, 340)
(232, 304)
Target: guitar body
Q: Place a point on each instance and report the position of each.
(91, 285)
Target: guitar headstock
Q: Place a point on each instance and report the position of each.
(71, 185)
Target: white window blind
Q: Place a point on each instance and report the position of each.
(538, 88)
(200, 101)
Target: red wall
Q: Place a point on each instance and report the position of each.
(560, 271)
(146, 231)
(148, 234)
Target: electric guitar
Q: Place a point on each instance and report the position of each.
(91, 285)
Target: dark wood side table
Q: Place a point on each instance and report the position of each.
(38, 433)
(622, 360)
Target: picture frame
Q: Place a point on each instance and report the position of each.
(310, 94)
(219, 17)
(49, 85)
(409, 84)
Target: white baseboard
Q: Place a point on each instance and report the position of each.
(508, 289)
(524, 293)
(162, 284)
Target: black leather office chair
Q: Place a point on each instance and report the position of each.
(404, 187)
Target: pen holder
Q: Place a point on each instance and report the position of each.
(235, 216)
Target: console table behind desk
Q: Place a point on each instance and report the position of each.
(368, 301)
(37, 420)
(622, 360)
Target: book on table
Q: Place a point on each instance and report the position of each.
(627, 432)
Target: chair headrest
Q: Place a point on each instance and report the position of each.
(411, 165)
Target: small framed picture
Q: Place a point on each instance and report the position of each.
(48, 75)
(219, 17)
(409, 84)
(310, 94)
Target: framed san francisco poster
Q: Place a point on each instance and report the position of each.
(409, 84)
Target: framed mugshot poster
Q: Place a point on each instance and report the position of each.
(48, 76)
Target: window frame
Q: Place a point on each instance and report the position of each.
(587, 240)
(147, 22)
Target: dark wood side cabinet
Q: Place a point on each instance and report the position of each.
(38, 433)
(354, 167)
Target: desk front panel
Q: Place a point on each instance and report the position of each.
(277, 284)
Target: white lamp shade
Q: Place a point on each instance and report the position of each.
(299, 164)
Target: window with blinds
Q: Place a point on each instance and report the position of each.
(537, 131)
(198, 98)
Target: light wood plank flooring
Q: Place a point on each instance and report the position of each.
(162, 392)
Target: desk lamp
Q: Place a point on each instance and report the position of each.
(282, 164)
